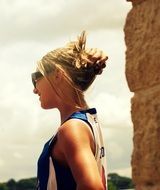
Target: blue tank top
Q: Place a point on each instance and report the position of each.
(64, 177)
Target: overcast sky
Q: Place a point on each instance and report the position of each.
(28, 30)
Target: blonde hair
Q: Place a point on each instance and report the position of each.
(79, 66)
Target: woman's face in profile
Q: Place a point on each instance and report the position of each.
(46, 93)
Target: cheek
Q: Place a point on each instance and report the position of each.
(49, 102)
(48, 99)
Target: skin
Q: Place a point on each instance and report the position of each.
(74, 147)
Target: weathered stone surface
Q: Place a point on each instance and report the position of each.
(148, 187)
(135, 2)
(142, 37)
(146, 154)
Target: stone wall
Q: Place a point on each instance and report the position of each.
(142, 38)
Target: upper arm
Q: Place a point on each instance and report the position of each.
(75, 141)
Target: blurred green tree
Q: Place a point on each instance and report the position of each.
(26, 184)
(3, 186)
(111, 186)
(11, 184)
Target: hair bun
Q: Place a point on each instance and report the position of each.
(96, 60)
(92, 59)
(98, 67)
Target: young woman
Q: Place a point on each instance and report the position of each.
(73, 159)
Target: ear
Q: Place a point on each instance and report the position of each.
(59, 74)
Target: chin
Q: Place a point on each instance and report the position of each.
(46, 106)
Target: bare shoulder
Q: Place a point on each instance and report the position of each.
(75, 133)
(72, 128)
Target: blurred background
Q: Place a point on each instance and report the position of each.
(28, 30)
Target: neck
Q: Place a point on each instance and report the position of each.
(67, 110)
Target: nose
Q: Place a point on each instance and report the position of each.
(35, 91)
